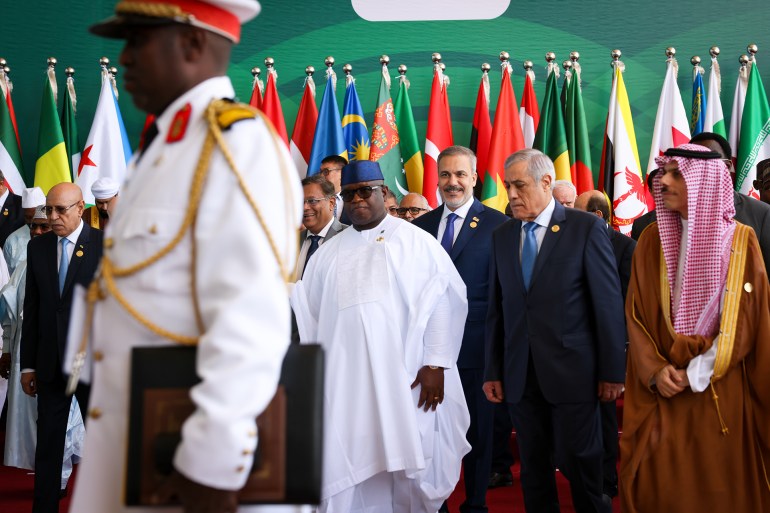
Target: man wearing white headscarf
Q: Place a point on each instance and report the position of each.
(697, 403)
(15, 247)
(105, 191)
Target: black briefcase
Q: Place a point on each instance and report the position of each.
(287, 464)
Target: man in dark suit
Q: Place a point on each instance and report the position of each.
(464, 227)
(555, 336)
(11, 213)
(623, 246)
(317, 217)
(56, 262)
(748, 211)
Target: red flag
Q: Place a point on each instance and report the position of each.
(271, 106)
(438, 136)
(506, 139)
(529, 114)
(481, 132)
(256, 91)
(304, 128)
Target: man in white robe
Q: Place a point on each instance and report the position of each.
(388, 306)
(15, 247)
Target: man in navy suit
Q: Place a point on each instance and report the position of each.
(555, 336)
(464, 227)
(56, 261)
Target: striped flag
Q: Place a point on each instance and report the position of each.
(715, 119)
(620, 176)
(506, 139)
(754, 144)
(481, 131)
(385, 140)
(737, 114)
(304, 128)
(550, 137)
(10, 149)
(438, 134)
(107, 149)
(529, 112)
(327, 139)
(576, 128)
(52, 166)
(69, 127)
(699, 102)
(271, 105)
(411, 156)
(353, 125)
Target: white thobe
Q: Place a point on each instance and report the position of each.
(368, 300)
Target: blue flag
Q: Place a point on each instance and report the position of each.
(327, 139)
(353, 125)
(698, 117)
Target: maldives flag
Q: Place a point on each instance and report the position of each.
(271, 105)
(754, 142)
(737, 114)
(529, 113)
(10, 150)
(304, 128)
(576, 129)
(672, 127)
(256, 92)
(550, 137)
(438, 134)
(506, 139)
(620, 176)
(481, 132)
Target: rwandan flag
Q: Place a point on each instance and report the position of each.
(353, 125)
(698, 115)
(52, 166)
(328, 139)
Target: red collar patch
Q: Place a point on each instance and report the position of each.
(179, 124)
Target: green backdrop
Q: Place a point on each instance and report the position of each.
(298, 33)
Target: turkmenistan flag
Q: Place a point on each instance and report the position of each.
(578, 144)
(550, 137)
(411, 156)
(10, 154)
(52, 166)
(754, 145)
(69, 128)
(385, 140)
(715, 118)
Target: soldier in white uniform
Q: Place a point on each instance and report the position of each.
(220, 281)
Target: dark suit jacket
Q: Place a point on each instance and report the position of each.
(748, 211)
(623, 246)
(46, 312)
(571, 319)
(470, 254)
(11, 216)
(334, 229)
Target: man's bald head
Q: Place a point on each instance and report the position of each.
(594, 202)
(64, 207)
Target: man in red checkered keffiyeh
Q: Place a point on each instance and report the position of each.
(707, 214)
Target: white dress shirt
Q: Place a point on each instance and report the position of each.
(542, 220)
(73, 238)
(462, 213)
(306, 245)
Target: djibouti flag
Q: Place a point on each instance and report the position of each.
(52, 166)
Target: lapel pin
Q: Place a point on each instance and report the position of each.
(473, 224)
(476, 219)
(153, 229)
(79, 253)
(5, 212)
(555, 228)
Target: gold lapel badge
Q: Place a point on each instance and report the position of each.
(79, 253)
(473, 224)
(5, 212)
(555, 228)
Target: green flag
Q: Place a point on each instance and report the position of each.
(550, 137)
(576, 129)
(385, 140)
(51, 167)
(754, 145)
(408, 142)
(69, 128)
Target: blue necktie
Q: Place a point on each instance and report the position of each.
(528, 253)
(449, 233)
(312, 249)
(64, 264)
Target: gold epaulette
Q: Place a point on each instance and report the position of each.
(228, 112)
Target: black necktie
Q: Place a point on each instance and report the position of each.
(312, 249)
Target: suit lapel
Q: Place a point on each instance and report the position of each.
(466, 232)
(433, 221)
(552, 237)
(78, 254)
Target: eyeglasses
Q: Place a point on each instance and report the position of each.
(326, 171)
(412, 210)
(314, 201)
(59, 209)
(363, 192)
(393, 210)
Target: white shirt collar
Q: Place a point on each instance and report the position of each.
(461, 211)
(72, 237)
(544, 218)
(323, 231)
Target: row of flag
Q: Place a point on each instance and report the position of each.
(61, 158)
